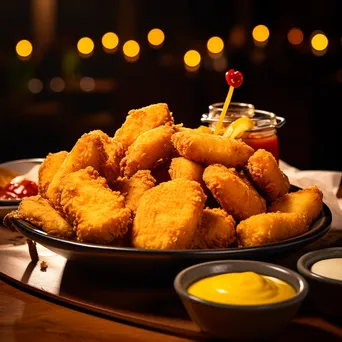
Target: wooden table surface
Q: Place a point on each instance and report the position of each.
(27, 316)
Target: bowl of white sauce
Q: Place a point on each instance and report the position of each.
(323, 271)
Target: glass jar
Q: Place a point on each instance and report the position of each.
(264, 133)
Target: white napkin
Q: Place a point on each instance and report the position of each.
(327, 181)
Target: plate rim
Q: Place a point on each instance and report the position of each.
(32, 232)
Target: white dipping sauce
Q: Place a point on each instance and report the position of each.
(329, 268)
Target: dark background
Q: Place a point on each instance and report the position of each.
(289, 80)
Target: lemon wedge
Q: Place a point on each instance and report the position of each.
(238, 127)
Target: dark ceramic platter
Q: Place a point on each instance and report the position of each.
(142, 259)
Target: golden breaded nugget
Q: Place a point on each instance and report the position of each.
(168, 215)
(38, 211)
(217, 229)
(97, 213)
(211, 149)
(181, 167)
(142, 120)
(48, 169)
(308, 202)
(233, 191)
(266, 175)
(6, 176)
(149, 149)
(134, 187)
(267, 228)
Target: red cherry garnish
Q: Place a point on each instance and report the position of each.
(234, 78)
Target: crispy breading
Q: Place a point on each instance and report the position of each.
(217, 229)
(38, 211)
(97, 213)
(142, 120)
(88, 151)
(308, 202)
(149, 149)
(212, 149)
(266, 175)
(47, 170)
(181, 167)
(267, 228)
(233, 191)
(134, 187)
(168, 215)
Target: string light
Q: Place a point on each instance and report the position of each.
(319, 41)
(87, 84)
(192, 60)
(215, 45)
(57, 84)
(24, 48)
(110, 41)
(295, 36)
(260, 34)
(156, 37)
(35, 85)
(131, 50)
(85, 46)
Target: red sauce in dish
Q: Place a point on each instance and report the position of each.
(19, 190)
(268, 143)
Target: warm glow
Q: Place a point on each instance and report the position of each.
(24, 48)
(85, 46)
(87, 84)
(295, 36)
(215, 45)
(110, 40)
(35, 85)
(156, 37)
(260, 33)
(192, 58)
(319, 42)
(131, 49)
(57, 84)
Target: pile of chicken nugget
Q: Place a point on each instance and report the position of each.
(158, 185)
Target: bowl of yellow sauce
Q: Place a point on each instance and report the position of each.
(323, 271)
(240, 299)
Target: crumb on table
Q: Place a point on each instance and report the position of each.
(43, 266)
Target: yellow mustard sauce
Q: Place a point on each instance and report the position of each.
(245, 288)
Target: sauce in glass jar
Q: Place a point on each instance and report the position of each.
(264, 133)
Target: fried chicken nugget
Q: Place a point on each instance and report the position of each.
(48, 169)
(217, 229)
(266, 175)
(181, 167)
(233, 191)
(142, 120)
(267, 228)
(308, 202)
(212, 149)
(168, 215)
(97, 213)
(149, 149)
(38, 211)
(133, 188)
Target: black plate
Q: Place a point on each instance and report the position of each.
(126, 257)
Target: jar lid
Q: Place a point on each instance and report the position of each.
(262, 119)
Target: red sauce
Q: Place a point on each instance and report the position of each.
(268, 143)
(25, 188)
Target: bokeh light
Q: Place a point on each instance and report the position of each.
(35, 85)
(57, 84)
(215, 45)
(156, 37)
(192, 58)
(87, 84)
(319, 41)
(110, 41)
(295, 36)
(260, 33)
(85, 46)
(24, 48)
(131, 50)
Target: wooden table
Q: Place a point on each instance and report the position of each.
(30, 316)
